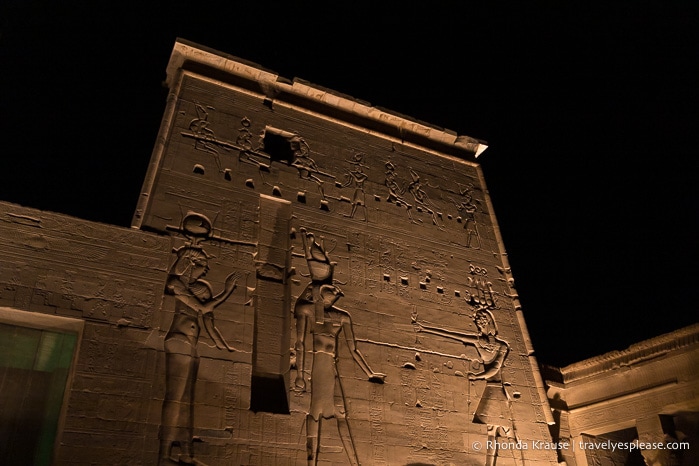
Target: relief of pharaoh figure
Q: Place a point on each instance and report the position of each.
(356, 177)
(194, 308)
(302, 161)
(494, 406)
(315, 313)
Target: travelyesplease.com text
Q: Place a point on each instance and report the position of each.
(580, 444)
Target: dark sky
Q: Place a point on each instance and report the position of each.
(590, 109)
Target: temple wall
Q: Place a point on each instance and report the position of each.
(415, 252)
(111, 281)
(304, 284)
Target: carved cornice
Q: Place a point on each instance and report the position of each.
(634, 354)
(227, 68)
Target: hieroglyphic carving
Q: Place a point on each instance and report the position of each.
(507, 277)
(244, 139)
(494, 408)
(194, 306)
(377, 419)
(410, 193)
(427, 407)
(408, 190)
(326, 386)
(399, 265)
(357, 263)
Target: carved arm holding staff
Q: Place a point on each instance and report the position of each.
(492, 350)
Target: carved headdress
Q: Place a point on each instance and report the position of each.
(487, 327)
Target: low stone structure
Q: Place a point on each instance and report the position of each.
(627, 407)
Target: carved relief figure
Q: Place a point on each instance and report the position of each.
(357, 177)
(302, 161)
(467, 208)
(395, 192)
(321, 269)
(494, 406)
(420, 196)
(327, 396)
(248, 152)
(195, 302)
(204, 138)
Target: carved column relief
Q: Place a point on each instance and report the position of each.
(378, 431)
(358, 265)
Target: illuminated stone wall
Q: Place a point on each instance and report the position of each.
(308, 280)
(374, 309)
(58, 273)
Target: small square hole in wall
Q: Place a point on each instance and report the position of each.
(278, 148)
(404, 281)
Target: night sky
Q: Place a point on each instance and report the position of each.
(590, 111)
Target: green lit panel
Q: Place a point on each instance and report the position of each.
(34, 367)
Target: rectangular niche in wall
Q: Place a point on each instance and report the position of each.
(271, 349)
(37, 352)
